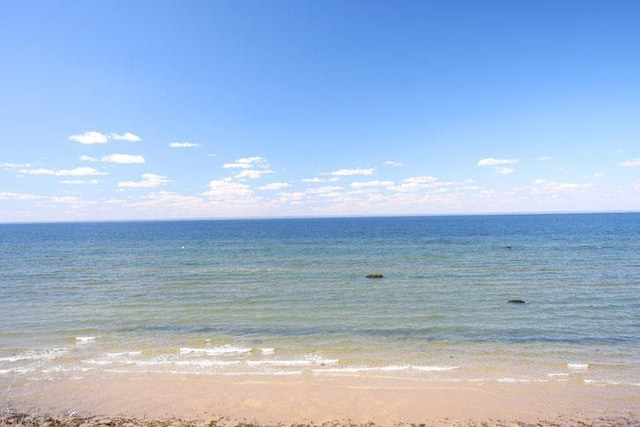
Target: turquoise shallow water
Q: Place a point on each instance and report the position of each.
(290, 297)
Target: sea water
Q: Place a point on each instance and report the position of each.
(291, 297)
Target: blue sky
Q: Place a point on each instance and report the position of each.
(216, 109)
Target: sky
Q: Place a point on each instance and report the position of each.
(119, 110)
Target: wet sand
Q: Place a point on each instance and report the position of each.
(308, 400)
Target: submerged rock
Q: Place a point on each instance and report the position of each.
(374, 276)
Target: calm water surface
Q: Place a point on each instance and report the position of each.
(290, 297)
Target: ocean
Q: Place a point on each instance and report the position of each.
(290, 297)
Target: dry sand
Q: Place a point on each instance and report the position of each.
(313, 400)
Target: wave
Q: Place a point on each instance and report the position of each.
(216, 351)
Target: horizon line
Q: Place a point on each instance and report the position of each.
(302, 217)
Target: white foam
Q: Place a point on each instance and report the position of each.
(395, 368)
(84, 340)
(312, 356)
(319, 360)
(99, 362)
(206, 363)
(508, 380)
(363, 369)
(435, 368)
(277, 374)
(578, 366)
(17, 358)
(21, 370)
(63, 369)
(354, 370)
(559, 375)
(606, 383)
(323, 362)
(36, 355)
(280, 363)
(124, 354)
(216, 351)
(201, 363)
(267, 351)
(314, 361)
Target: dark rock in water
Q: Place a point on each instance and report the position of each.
(508, 247)
(516, 301)
(375, 276)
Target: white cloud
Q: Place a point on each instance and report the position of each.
(90, 137)
(123, 158)
(418, 183)
(253, 173)
(351, 172)
(317, 180)
(275, 186)
(253, 160)
(46, 203)
(421, 180)
(127, 136)
(164, 202)
(490, 161)
(545, 158)
(149, 180)
(544, 186)
(39, 171)
(324, 190)
(228, 188)
(236, 166)
(80, 171)
(71, 200)
(10, 195)
(393, 163)
(504, 171)
(498, 164)
(253, 167)
(247, 163)
(184, 145)
(79, 182)
(630, 163)
(370, 184)
(94, 137)
(115, 158)
(294, 198)
(15, 165)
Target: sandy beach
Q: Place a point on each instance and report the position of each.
(317, 401)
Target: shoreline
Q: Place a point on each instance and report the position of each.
(20, 419)
(97, 399)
